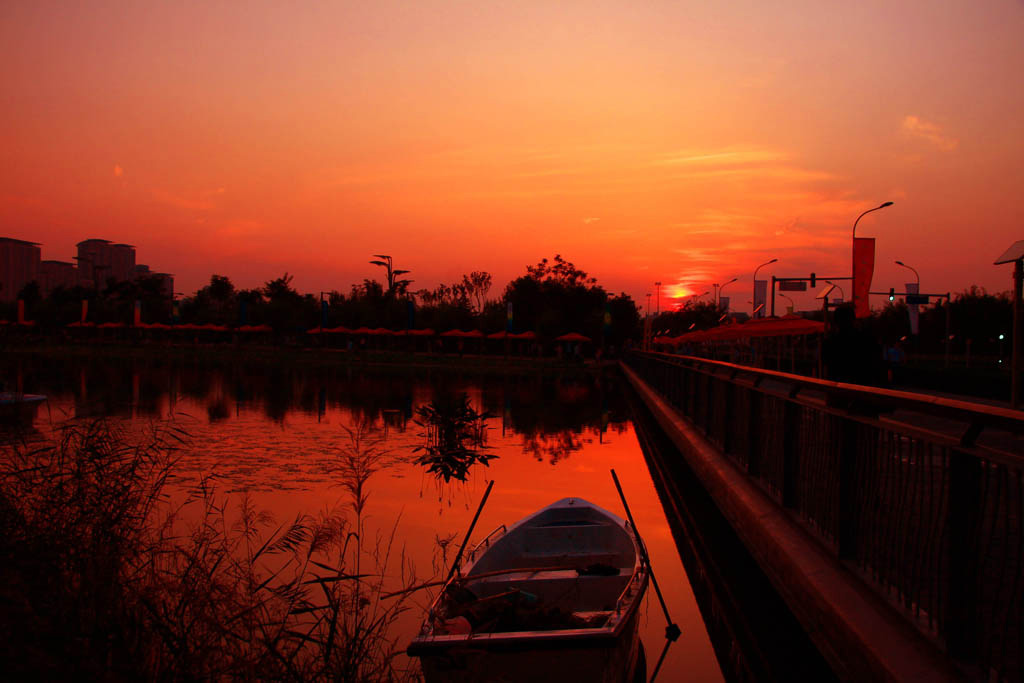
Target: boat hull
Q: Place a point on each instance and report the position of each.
(571, 558)
(597, 662)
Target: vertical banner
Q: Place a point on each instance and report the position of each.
(863, 269)
(21, 311)
(175, 313)
(508, 323)
(410, 310)
(85, 310)
(760, 297)
(323, 314)
(723, 303)
(912, 311)
(138, 313)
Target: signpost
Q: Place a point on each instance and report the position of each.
(797, 284)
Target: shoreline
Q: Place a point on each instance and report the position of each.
(313, 356)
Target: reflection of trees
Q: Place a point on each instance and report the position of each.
(554, 447)
(552, 414)
(530, 404)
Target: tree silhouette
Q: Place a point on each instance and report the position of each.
(395, 286)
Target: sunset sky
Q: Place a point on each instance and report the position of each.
(685, 142)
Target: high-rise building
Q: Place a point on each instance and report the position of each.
(166, 279)
(100, 260)
(19, 265)
(54, 274)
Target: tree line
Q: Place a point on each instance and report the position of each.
(553, 297)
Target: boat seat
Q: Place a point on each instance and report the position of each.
(563, 588)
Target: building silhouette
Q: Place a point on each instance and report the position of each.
(19, 265)
(166, 279)
(54, 274)
(99, 261)
(102, 260)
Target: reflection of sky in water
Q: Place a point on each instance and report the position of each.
(553, 439)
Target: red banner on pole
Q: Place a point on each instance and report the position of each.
(863, 269)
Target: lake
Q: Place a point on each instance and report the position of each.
(275, 431)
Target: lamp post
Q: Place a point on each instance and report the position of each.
(853, 272)
(718, 299)
(657, 303)
(881, 206)
(648, 304)
(753, 302)
(916, 275)
(792, 306)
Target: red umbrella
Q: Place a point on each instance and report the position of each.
(453, 333)
(573, 337)
(528, 336)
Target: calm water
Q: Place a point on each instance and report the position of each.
(273, 430)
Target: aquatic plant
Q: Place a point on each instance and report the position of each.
(455, 435)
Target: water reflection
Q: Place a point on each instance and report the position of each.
(588, 405)
(281, 433)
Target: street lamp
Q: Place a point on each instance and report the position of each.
(792, 306)
(657, 303)
(648, 304)
(853, 244)
(766, 263)
(881, 206)
(718, 299)
(901, 263)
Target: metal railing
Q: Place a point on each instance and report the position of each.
(923, 495)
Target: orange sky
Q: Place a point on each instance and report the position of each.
(671, 141)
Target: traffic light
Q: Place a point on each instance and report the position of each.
(892, 294)
(813, 278)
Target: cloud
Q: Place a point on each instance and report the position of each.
(929, 132)
(182, 202)
(118, 171)
(588, 221)
(727, 157)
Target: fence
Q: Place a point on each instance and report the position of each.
(923, 496)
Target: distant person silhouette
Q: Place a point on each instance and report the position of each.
(851, 354)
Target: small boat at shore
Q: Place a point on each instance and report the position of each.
(556, 596)
(17, 408)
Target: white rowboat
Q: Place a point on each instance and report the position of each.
(556, 596)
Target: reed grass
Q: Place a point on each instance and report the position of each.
(103, 577)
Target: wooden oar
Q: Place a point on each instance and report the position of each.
(458, 556)
(672, 631)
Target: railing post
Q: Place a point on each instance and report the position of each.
(754, 427)
(729, 412)
(848, 513)
(709, 402)
(790, 452)
(961, 625)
